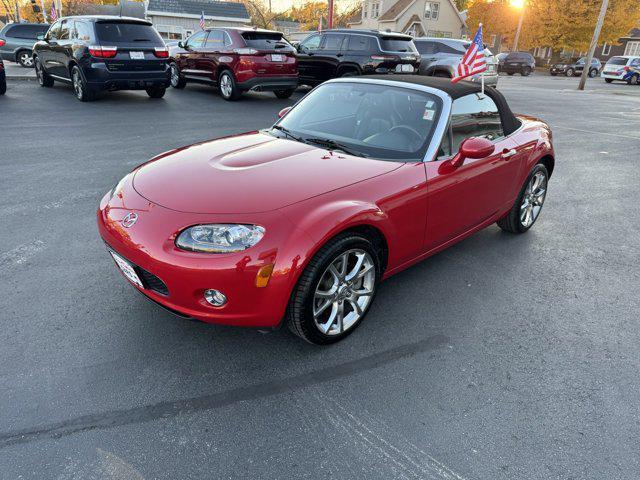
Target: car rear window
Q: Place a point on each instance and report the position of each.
(123, 32)
(617, 61)
(264, 40)
(27, 32)
(397, 44)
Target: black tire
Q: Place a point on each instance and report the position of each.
(442, 75)
(553, 74)
(24, 58)
(300, 319)
(156, 92)
(510, 73)
(634, 79)
(592, 73)
(44, 80)
(177, 80)
(3, 85)
(227, 86)
(608, 80)
(351, 72)
(526, 71)
(570, 72)
(284, 93)
(511, 221)
(80, 87)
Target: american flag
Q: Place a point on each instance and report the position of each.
(202, 24)
(54, 14)
(473, 61)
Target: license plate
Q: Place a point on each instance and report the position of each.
(126, 268)
(404, 68)
(277, 58)
(136, 55)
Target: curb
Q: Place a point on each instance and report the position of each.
(20, 77)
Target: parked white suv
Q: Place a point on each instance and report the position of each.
(614, 69)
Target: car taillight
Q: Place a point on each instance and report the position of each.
(2, 42)
(161, 52)
(626, 69)
(246, 51)
(383, 58)
(102, 52)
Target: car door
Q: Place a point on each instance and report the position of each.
(463, 198)
(46, 53)
(60, 61)
(307, 67)
(208, 57)
(329, 55)
(193, 49)
(428, 51)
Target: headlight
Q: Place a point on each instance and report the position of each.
(219, 238)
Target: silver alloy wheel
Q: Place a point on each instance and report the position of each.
(344, 292)
(533, 199)
(225, 85)
(39, 75)
(77, 84)
(175, 75)
(25, 59)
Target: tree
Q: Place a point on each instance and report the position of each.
(259, 13)
(462, 4)
(308, 14)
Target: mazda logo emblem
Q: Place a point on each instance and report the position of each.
(130, 220)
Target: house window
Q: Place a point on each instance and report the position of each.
(375, 10)
(364, 11)
(606, 49)
(431, 10)
(633, 48)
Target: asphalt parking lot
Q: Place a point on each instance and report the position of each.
(503, 357)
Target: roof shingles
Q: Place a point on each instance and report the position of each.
(196, 7)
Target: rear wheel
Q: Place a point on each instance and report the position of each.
(526, 71)
(43, 78)
(80, 87)
(528, 205)
(352, 72)
(570, 72)
(284, 93)
(227, 86)
(177, 80)
(335, 291)
(156, 92)
(608, 80)
(442, 75)
(25, 59)
(553, 74)
(3, 85)
(510, 73)
(634, 79)
(593, 72)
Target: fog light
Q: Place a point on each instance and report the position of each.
(215, 297)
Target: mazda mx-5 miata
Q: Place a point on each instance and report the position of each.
(298, 224)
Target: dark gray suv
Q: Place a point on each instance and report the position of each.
(439, 57)
(17, 39)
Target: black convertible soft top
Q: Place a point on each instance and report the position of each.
(510, 122)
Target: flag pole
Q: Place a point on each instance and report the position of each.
(482, 74)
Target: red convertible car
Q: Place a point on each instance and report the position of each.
(299, 223)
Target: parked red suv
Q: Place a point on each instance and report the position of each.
(237, 60)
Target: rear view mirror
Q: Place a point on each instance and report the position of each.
(284, 111)
(474, 147)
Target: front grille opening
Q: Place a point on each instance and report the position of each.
(152, 282)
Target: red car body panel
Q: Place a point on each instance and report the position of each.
(292, 191)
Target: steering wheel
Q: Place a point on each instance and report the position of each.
(410, 133)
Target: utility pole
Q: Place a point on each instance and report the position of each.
(18, 18)
(330, 22)
(594, 42)
(44, 12)
(517, 39)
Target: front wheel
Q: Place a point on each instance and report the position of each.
(335, 291)
(25, 59)
(592, 73)
(527, 207)
(634, 79)
(283, 93)
(3, 85)
(227, 85)
(608, 80)
(570, 72)
(156, 92)
(177, 80)
(44, 80)
(526, 71)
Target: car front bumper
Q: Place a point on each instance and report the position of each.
(149, 247)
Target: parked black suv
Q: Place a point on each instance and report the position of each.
(103, 53)
(346, 53)
(518, 62)
(17, 39)
(574, 67)
(3, 79)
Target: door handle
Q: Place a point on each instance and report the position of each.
(339, 55)
(509, 153)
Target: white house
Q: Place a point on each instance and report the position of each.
(420, 18)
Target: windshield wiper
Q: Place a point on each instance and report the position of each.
(288, 133)
(333, 145)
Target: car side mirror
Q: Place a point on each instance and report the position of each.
(284, 111)
(474, 147)
(181, 44)
(40, 37)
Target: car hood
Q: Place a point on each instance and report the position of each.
(249, 173)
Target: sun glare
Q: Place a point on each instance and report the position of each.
(517, 3)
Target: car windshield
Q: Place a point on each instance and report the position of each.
(122, 32)
(617, 61)
(397, 44)
(379, 121)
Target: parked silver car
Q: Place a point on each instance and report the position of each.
(441, 56)
(17, 39)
